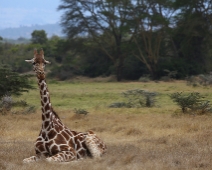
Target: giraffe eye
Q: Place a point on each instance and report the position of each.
(33, 63)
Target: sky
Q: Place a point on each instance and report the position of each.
(16, 13)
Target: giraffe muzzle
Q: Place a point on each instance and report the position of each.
(40, 74)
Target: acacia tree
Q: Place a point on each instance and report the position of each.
(193, 33)
(152, 20)
(105, 22)
(12, 83)
(39, 37)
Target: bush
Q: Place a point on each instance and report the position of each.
(202, 79)
(12, 83)
(136, 98)
(119, 105)
(81, 111)
(7, 103)
(64, 72)
(193, 101)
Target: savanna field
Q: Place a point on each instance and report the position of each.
(157, 138)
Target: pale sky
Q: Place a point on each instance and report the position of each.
(15, 13)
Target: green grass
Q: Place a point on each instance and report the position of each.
(93, 95)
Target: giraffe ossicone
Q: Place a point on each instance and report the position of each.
(56, 142)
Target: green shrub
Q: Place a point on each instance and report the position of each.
(7, 104)
(13, 83)
(119, 105)
(202, 79)
(81, 111)
(192, 101)
(136, 98)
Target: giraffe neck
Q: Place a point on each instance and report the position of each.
(46, 106)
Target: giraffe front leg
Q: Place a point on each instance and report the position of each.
(32, 159)
(63, 156)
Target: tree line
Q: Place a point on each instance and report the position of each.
(126, 38)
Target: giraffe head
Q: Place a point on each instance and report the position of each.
(39, 63)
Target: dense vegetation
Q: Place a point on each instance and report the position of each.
(129, 39)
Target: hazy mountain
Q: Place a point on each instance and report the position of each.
(25, 31)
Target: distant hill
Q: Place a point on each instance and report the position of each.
(25, 31)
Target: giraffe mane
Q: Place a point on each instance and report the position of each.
(56, 115)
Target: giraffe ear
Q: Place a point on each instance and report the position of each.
(30, 61)
(47, 62)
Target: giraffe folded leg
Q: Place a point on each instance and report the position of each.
(95, 145)
(31, 159)
(63, 156)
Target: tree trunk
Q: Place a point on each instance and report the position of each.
(119, 68)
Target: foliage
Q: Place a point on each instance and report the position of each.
(192, 101)
(7, 104)
(202, 79)
(66, 71)
(39, 37)
(106, 22)
(81, 111)
(136, 98)
(170, 75)
(128, 39)
(13, 83)
(119, 105)
(192, 35)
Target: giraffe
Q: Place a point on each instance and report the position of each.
(56, 142)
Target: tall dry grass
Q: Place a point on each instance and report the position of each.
(145, 138)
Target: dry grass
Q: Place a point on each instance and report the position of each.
(147, 139)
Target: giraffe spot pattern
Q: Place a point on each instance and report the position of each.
(55, 141)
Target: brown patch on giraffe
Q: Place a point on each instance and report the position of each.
(52, 134)
(54, 149)
(60, 128)
(50, 143)
(66, 135)
(56, 127)
(60, 139)
(47, 107)
(64, 147)
(46, 124)
(40, 146)
(47, 115)
(42, 103)
(43, 134)
(39, 81)
(43, 117)
(42, 86)
(73, 133)
(45, 99)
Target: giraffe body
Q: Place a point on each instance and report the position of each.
(56, 142)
